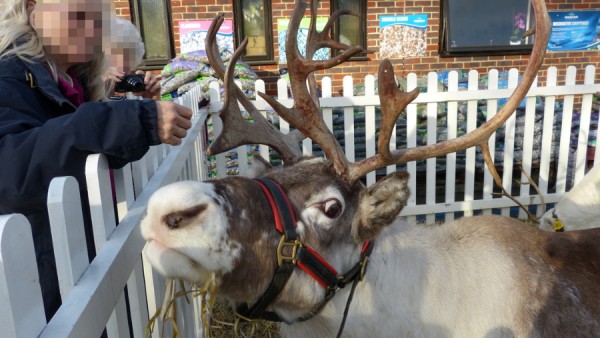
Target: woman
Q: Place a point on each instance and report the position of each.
(125, 51)
(50, 120)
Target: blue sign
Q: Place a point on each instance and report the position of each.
(577, 30)
(411, 20)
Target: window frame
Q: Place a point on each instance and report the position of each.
(363, 36)
(269, 57)
(136, 18)
(445, 50)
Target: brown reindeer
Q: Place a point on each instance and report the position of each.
(300, 242)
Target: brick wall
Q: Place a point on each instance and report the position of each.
(122, 7)
(206, 9)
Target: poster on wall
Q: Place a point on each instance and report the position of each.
(192, 35)
(575, 30)
(282, 26)
(402, 36)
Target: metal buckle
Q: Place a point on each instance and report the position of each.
(363, 268)
(295, 245)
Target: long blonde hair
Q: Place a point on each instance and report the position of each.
(19, 39)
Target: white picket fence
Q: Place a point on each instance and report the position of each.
(571, 96)
(93, 294)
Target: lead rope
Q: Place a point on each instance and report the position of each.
(356, 280)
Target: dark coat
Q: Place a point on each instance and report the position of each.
(43, 135)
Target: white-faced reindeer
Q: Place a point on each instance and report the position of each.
(283, 246)
(579, 208)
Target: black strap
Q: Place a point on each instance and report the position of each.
(280, 278)
(322, 272)
(284, 271)
(359, 267)
(347, 309)
(354, 275)
(285, 211)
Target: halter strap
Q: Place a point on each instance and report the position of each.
(293, 252)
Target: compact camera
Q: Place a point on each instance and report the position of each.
(131, 83)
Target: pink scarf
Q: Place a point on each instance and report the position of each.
(73, 93)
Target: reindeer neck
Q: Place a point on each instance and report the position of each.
(418, 277)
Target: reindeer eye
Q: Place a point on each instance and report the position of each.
(332, 208)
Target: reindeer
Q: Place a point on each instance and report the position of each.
(579, 208)
(300, 242)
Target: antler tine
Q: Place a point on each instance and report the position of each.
(305, 115)
(236, 130)
(317, 40)
(212, 48)
(480, 136)
(393, 102)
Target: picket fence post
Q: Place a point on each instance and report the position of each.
(370, 129)
(68, 236)
(22, 310)
(492, 109)
(411, 142)
(104, 223)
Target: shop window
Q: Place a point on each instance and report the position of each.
(253, 21)
(349, 29)
(153, 18)
(485, 27)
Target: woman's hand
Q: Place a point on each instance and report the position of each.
(152, 83)
(173, 121)
(112, 73)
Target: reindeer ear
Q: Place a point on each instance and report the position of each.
(258, 166)
(380, 205)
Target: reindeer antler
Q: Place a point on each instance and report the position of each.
(478, 137)
(305, 115)
(236, 130)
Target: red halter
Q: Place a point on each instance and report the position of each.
(292, 252)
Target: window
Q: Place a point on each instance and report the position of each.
(153, 18)
(350, 29)
(485, 27)
(253, 20)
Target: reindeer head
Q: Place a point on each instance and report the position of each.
(227, 226)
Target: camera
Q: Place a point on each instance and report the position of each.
(131, 83)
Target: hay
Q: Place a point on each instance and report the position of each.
(216, 314)
(222, 324)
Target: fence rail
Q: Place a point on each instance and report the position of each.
(551, 137)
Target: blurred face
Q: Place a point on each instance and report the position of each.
(70, 30)
(122, 58)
